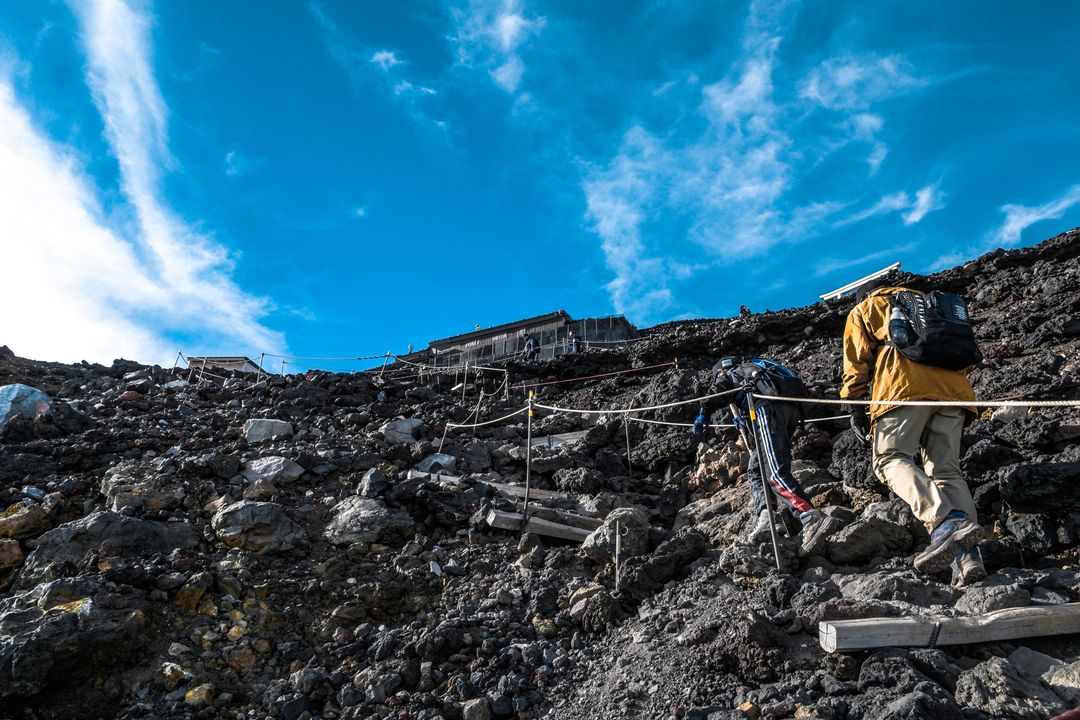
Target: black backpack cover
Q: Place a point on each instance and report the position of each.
(939, 329)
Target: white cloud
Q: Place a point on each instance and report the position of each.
(852, 82)
(97, 293)
(927, 200)
(385, 59)
(1020, 217)
(491, 34)
(383, 67)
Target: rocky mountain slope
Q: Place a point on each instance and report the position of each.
(259, 550)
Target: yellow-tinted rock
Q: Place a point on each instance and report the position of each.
(23, 521)
(200, 696)
(752, 711)
(241, 659)
(171, 675)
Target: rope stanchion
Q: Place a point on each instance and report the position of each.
(626, 428)
(528, 465)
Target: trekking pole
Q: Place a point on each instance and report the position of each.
(761, 471)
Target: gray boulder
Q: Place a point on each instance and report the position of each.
(366, 520)
(59, 639)
(981, 599)
(401, 431)
(437, 462)
(257, 526)
(599, 546)
(372, 484)
(867, 538)
(111, 534)
(20, 400)
(272, 469)
(1000, 690)
(1064, 680)
(263, 429)
(904, 587)
(138, 486)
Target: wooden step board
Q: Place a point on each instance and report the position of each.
(518, 491)
(564, 517)
(512, 521)
(558, 439)
(1007, 624)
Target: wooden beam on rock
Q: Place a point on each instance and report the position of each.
(512, 521)
(516, 491)
(1007, 624)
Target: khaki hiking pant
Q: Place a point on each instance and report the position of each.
(938, 487)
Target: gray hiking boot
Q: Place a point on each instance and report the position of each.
(816, 529)
(956, 532)
(967, 567)
(760, 532)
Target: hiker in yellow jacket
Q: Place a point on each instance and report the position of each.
(875, 369)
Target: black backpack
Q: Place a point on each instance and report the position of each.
(938, 329)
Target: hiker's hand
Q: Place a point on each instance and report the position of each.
(860, 423)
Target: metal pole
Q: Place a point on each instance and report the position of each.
(442, 442)
(179, 354)
(258, 375)
(464, 381)
(618, 552)
(476, 412)
(761, 472)
(386, 360)
(528, 465)
(626, 426)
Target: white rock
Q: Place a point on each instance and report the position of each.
(401, 431)
(256, 431)
(437, 462)
(273, 469)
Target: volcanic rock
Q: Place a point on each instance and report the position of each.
(257, 526)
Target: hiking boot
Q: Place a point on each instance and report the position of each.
(761, 531)
(816, 528)
(967, 567)
(956, 532)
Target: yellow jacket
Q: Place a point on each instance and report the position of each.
(868, 361)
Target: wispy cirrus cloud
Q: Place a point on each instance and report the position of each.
(730, 176)
(365, 65)
(851, 84)
(491, 34)
(912, 208)
(142, 285)
(1018, 218)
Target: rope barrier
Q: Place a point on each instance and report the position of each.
(639, 409)
(925, 403)
(487, 422)
(328, 359)
(593, 377)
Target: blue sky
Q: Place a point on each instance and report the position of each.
(342, 178)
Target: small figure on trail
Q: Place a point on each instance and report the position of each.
(572, 342)
(744, 311)
(531, 349)
(770, 432)
(901, 344)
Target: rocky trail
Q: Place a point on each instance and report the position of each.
(245, 549)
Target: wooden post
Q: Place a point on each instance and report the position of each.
(258, 375)
(528, 465)
(179, 354)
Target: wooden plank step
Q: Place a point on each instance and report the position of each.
(1007, 624)
(518, 491)
(558, 439)
(512, 521)
(419, 475)
(567, 518)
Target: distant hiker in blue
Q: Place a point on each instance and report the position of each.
(775, 423)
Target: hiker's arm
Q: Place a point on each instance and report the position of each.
(859, 346)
